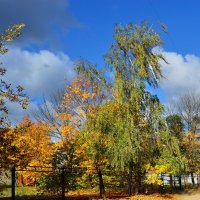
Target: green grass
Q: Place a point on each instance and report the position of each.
(20, 191)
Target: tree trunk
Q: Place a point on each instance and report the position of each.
(197, 179)
(180, 182)
(192, 177)
(139, 180)
(130, 183)
(152, 189)
(137, 183)
(171, 182)
(162, 185)
(101, 183)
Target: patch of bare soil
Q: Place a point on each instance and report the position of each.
(192, 194)
(152, 197)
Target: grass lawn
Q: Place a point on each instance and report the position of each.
(20, 191)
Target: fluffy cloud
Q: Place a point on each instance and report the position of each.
(182, 74)
(43, 19)
(41, 73)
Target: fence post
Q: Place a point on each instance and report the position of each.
(13, 182)
(63, 183)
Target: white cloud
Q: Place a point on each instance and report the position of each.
(182, 74)
(41, 73)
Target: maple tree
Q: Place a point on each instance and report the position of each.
(28, 144)
(82, 98)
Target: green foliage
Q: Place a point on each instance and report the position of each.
(133, 55)
(135, 63)
(50, 183)
(129, 126)
(175, 125)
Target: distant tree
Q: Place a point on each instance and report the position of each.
(48, 111)
(175, 125)
(192, 153)
(188, 107)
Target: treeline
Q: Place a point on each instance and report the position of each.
(108, 119)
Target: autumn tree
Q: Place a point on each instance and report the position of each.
(129, 122)
(135, 64)
(175, 127)
(191, 151)
(37, 147)
(81, 98)
(28, 144)
(7, 92)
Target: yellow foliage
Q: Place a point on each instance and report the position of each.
(29, 144)
(154, 172)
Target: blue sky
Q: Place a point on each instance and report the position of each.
(97, 19)
(58, 32)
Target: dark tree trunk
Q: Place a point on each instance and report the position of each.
(197, 179)
(138, 181)
(171, 182)
(101, 183)
(152, 189)
(180, 182)
(192, 177)
(130, 183)
(162, 185)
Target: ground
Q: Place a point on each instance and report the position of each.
(118, 196)
(192, 194)
(153, 197)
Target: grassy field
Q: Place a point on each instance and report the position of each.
(20, 191)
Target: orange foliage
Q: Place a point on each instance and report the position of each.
(29, 144)
(34, 140)
(81, 97)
